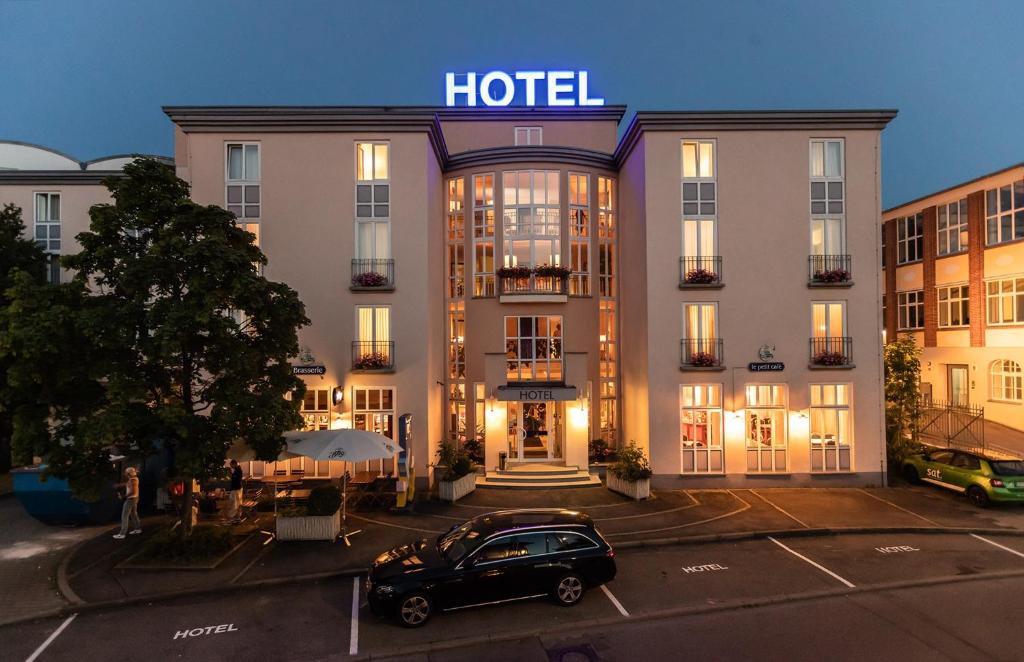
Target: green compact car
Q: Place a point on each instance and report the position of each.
(983, 479)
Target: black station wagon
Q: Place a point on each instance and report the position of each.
(498, 557)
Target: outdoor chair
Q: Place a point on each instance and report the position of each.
(250, 501)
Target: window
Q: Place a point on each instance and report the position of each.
(531, 216)
(828, 319)
(884, 243)
(954, 308)
(1004, 213)
(373, 208)
(608, 356)
(373, 332)
(529, 135)
(499, 550)
(698, 178)
(533, 348)
(909, 239)
(456, 239)
(910, 310)
(47, 230)
(1006, 301)
(560, 541)
(373, 409)
(1006, 381)
(701, 431)
(951, 224)
(456, 368)
(606, 260)
(480, 412)
(828, 236)
(483, 235)
(766, 427)
(316, 409)
(579, 234)
(830, 427)
(243, 179)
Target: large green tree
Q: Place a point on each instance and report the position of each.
(185, 343)
(902, 397)
(18, 255)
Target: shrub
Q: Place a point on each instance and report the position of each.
(632, 464)
(600, 451)
(205, 544)
(369, 279)
(700, 276)
(474, 449)
(323, 500)
(455, 460)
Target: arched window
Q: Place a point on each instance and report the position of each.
(1006, 381)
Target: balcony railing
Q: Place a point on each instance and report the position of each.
(829, 270)
(700, 353)
(700, 271)
(373, 274)
(832, 352)
(373, 355)
(533, 284)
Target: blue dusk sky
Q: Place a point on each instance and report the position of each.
(88, 77)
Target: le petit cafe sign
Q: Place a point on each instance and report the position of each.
(525, 88)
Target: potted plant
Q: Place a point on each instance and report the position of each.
(320, 519)
(832, 276)
(369, 279)
(552, 271)
(703, 360)
(519, 271)
(631, 473)
(372, 361)
(600, 451)
(458, 477)
(829, 358)
(700, 276)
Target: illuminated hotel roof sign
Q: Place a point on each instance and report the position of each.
(498, 88)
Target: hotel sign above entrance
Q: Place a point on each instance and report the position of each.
(498, 88)
(535, 393)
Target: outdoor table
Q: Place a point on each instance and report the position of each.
(280, 479)
(295, 495)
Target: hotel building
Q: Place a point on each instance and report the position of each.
(953, 265)
(705, 285)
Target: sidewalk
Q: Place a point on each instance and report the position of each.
(93, 575)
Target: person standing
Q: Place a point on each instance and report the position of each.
(130, 509)
(235, 493)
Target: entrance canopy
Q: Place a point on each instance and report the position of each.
(536, 392)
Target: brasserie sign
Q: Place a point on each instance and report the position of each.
(309, 370)
(530, 393)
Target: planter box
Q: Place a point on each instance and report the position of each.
(320, 527)
(640, 489)
(456, 489)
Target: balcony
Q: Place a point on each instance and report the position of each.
(373, 356)
(701, 272)
(373, 275)
(829, 271)
(831, 352)
(701, 354)
(541, 284)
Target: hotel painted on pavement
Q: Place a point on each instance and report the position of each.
(705, 284)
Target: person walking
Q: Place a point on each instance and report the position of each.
(235, 493)
(130, 509)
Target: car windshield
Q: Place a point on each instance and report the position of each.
(1008, 467)
(458, 542)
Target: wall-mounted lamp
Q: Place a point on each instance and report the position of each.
(338, 395)
(490, 403)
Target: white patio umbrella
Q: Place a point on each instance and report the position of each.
(346, 445)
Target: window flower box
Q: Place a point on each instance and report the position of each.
(832, 276)
(309, 527)
(514, 272)
(829, 359)
(372, 361)
(700, 276)
(551, 271)
(369, 279)
(703, 360)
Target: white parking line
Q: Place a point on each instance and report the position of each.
(993, 542)
(816, 565)
(778, 508)
(49, 640)
(353, 636)
(906, 510)
(615, 601)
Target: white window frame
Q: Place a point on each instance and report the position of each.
(248, 181)
(373, 414)
(953, 302)
(903, 306)
(319, 417)
(529, 135)
(483, 234)
(904, 243)
(997, 214)
(538, 231)
(702, 400)
(374, 308)
(835, 456)
(1006, 381)
(829, 310)
(1009, 294)
(827, 209)
(579, 234)
(952, 233)
(373, 221)
(773, 458)
(52, 242)
(455, 231)
(702, 309)
(533, 361)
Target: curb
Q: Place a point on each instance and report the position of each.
(78, 605)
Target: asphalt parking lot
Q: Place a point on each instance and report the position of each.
(315, 621)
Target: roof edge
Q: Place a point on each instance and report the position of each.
(954, 186)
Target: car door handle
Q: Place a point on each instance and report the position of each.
(493, 573)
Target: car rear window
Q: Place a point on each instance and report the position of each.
(1008, 467)
(565, 542)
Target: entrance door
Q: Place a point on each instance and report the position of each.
(959, 389)
(534, 432)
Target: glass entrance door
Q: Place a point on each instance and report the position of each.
(959, 392)
(534, 432)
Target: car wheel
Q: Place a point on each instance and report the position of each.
(977, 496)
(414, 609)
(910, 474)
(569, 589)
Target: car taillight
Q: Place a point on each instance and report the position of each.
(610, 553)
(996, 482)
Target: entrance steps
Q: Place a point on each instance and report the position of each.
(538, 476)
